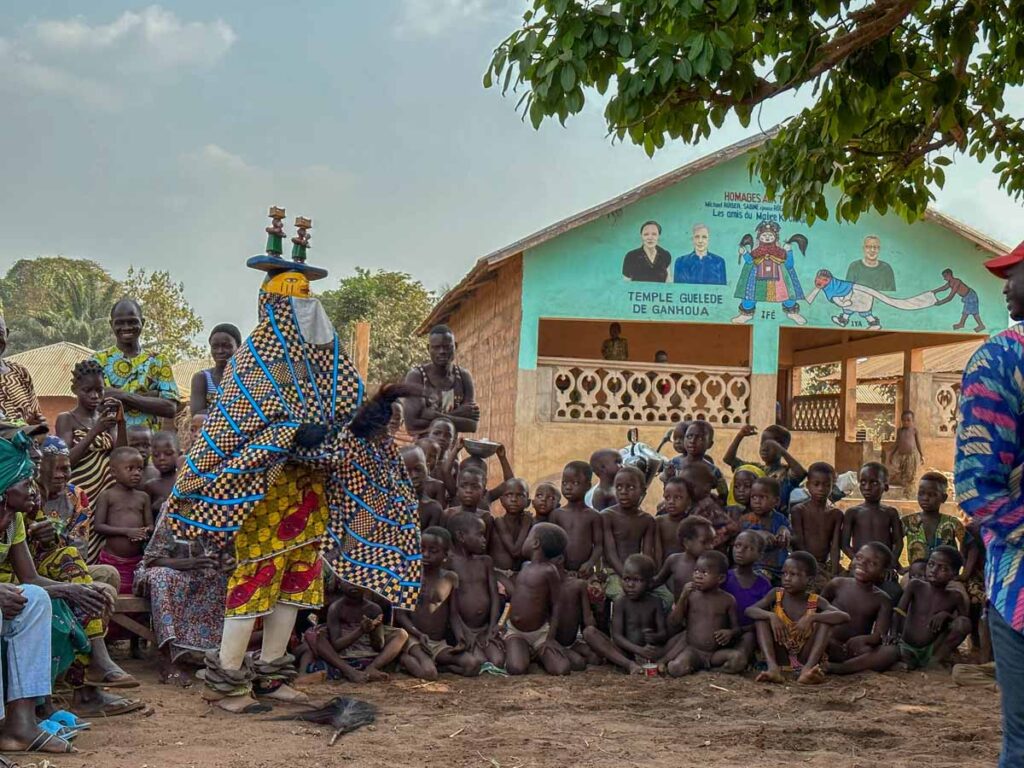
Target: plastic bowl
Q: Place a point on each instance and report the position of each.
(482, 449)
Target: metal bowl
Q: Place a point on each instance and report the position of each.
(482, 449)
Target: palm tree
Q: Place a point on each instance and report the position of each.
(78, 311)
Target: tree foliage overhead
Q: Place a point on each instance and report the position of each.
(171, 323)
(394, 305)
(895, 84)
(52, 298)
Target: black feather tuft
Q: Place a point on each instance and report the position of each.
(371, 420)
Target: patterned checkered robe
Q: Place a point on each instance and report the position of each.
(275, 383)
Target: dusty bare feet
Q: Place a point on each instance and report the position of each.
(239, 705)
(288, 694)
(376, 676)
(771, 675)
(811, 676)
(635, 669)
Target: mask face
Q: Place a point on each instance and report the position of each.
(288, 284)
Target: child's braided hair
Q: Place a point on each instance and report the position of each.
(83, 369)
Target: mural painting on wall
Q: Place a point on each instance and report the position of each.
(769, 260)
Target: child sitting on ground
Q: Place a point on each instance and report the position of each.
(581, 523)
(140, 437)
(476, 613)
(931, 620)
(469, 494)
(776, 461)
(124, 517)
(794, 624)
(638, 621)
(628, 530)
(818, 524)
(509, 531)
(606, 464)
(773, 525)
(872, 520)
(430, 512)
(925, 530)
(695, 536)
(545, 501)
(747, 586)
(858, 645)
(712, 625)
(531, 632)
(426, 650)
(973, 576)
(165, 460)
(354, 643)
(675, 504)
(575, 615)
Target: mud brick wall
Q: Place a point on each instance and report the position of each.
(486, 327)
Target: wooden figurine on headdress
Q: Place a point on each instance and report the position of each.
(300, 243)
(275, 232)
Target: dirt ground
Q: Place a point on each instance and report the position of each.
(599, 718)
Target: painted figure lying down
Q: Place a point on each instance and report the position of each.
(856, 299)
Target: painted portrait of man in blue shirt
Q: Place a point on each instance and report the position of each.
(700, 266)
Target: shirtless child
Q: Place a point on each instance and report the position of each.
(140, 437)
(426, 651)
(905, 455)
(628, 530)
(354, 642)
(545, 501)
(858, 645)
(872, 520)
(676, 506)
(509, 532)
(638, 622)
(470, 492)
(575, 614)
(165, 461)
(582, 524)
(534, 613)
(474, 620)
(606, 463)
(700, 480)
(712, 624)
(695, 538)
(443, 433)
(430, 512)
(124, 516)
(794, 624)
(931, 620)
(818, 524)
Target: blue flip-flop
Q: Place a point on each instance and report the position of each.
(58, 730)
(69, 720)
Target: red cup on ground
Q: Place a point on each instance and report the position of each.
(650, 670)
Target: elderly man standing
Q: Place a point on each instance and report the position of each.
(989, 466)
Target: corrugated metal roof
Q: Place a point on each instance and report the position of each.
(951, 358)
(483, 268)
(869, 395)
(51, 366)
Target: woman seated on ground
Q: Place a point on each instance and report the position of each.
(187, 590)
(56, 533)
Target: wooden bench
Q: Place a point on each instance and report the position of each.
(126, 605)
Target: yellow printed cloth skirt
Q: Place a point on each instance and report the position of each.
(277, 549)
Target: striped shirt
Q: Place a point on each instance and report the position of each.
(989, 463)
(17, 395)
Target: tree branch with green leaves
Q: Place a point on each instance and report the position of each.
(898, 87)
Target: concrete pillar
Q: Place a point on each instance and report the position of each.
(848, 400)
(764, 374)
(913, 362)
(361, 349)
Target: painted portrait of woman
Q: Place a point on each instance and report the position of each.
(650, 262)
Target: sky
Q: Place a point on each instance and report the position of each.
(157, 136)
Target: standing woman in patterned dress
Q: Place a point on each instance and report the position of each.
(225, 339)
(17, 395)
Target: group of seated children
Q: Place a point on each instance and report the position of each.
(714, 577)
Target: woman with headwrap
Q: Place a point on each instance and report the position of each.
(56, 532)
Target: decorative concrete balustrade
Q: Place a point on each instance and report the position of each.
(630, 393)
(816, 413)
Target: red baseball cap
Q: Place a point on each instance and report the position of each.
(1000, 265)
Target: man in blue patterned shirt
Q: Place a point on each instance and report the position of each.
(989, 464)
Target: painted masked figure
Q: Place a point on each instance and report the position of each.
(768, 273)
